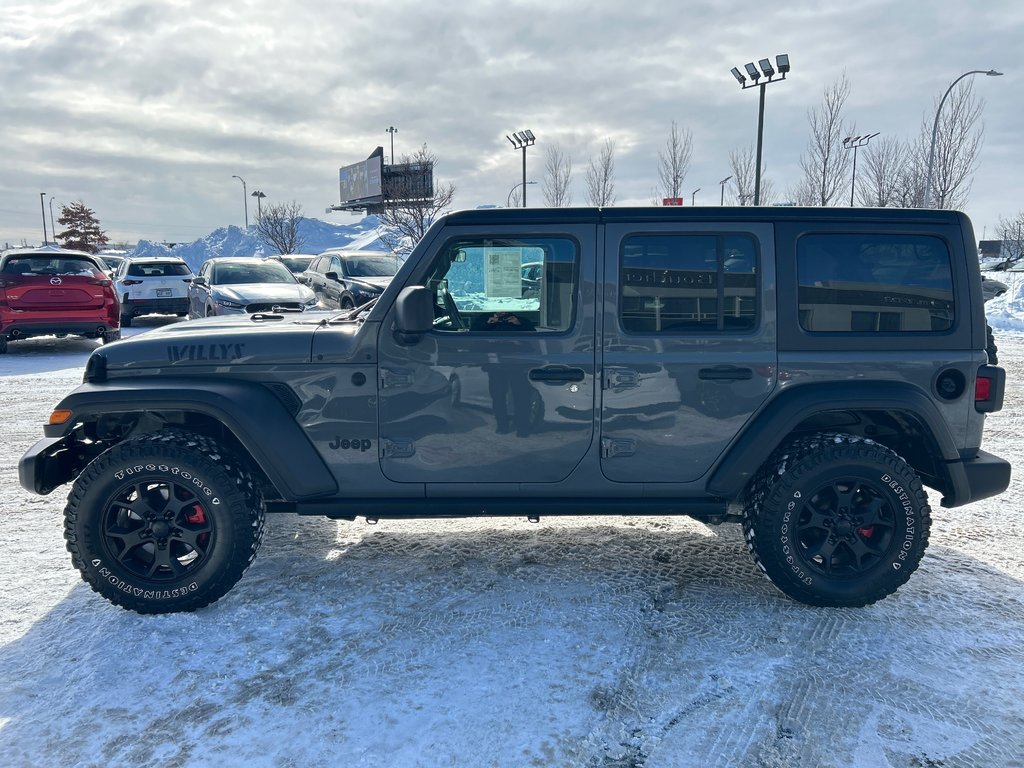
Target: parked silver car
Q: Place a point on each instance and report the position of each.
(240, 284)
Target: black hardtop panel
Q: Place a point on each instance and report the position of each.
(681, 214)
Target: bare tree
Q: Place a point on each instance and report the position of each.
(742, 163)
(601, 176)
(878, 185)
(407, 214)
(674, 162)
(909, 192)
(826, 163)
(1011, 232)
(958, 139)
(557, 177)
(278, 225)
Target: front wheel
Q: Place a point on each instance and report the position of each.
(164, 522)
(837, 520)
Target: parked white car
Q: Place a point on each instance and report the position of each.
(148, 285)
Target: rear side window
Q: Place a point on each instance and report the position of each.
(865, 283)
(688, 283)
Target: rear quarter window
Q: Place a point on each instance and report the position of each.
(864, 283)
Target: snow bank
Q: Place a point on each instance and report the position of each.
(1006, 312)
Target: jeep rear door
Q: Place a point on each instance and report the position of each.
(689, 347)
(502, 390)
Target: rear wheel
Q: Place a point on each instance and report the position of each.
(163, 523)
(110, 336)
(837, 520)
(126, 321)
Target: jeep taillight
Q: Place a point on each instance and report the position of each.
(988, 388)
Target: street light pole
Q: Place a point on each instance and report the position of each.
(43, 209)
(722, 183)
(53, 229)
(392, 130)
(781, 68)
(522, 140)
(855, 143)
(935, 128)
(245, 199)
(693, 197)
(259, 199)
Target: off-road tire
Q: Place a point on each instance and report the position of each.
(836, 520)
(164, 522)
(990, 346)
(126, 321)
(110, 336)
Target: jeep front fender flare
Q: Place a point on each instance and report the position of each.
(782, 415)
(257, 418)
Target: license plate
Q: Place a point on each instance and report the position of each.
(163, 293)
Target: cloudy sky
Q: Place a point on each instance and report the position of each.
(145, 110)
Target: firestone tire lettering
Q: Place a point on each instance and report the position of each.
(837, 520)
(180, 557)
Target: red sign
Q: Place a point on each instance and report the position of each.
(672, 201)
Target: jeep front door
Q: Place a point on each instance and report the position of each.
(502, 390)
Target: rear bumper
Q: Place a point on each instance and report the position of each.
(978, 477)
(23, 329)
(155, 306)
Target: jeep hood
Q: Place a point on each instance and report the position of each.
(233, 340)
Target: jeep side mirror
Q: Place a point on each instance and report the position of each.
(414, 313)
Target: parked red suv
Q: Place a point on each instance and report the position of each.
(54, 291)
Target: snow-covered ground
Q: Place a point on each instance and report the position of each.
(591, 642)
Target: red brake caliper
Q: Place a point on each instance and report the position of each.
(198, 517)
(866, 533)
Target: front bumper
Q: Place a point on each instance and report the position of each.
(46, 465)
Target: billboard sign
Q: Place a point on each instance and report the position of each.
(361, 181)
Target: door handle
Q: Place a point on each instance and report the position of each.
(557, 373)
(726, 373)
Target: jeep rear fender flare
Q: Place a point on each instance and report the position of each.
(781, 416)
(260, 422)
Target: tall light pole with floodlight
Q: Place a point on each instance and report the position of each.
(781, 68)
(855, 143)
(392, 130)
(693, 197)
(43, 209)
(245, 199)
(522, 140)
(935, 128)
(259, 199)
(722, 184)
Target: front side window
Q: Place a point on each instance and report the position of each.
(523, 285)
(688, 283)
(874, 283)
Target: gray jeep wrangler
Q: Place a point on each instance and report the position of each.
(802, 372)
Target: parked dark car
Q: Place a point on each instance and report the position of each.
(346, 279)
(236, 285)
(991, 288)
(297, 263)
(55, 291)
